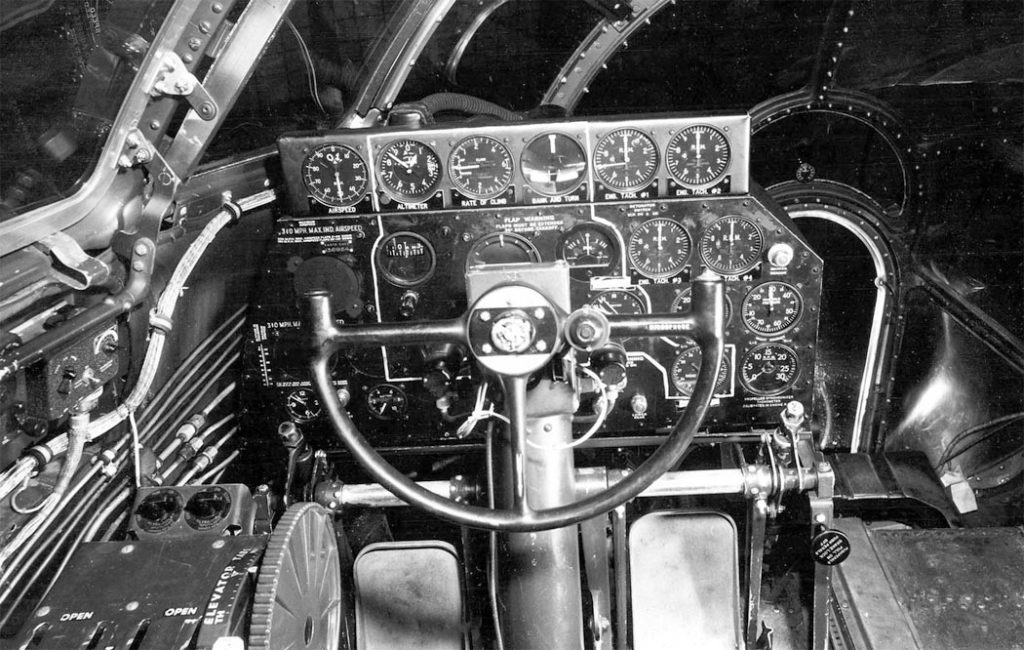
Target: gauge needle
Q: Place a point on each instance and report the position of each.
(337, 184)
(397, 159)
(660, 239)
(587, 247)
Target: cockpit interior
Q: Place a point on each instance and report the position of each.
(500, 324)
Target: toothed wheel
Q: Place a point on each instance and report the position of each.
(298, 594)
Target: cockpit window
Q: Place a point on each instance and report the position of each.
(66, 66)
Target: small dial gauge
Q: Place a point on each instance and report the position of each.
(771, 308)
(502, 248)
(769, 369)
(480, 167)
(731, 245)
(554, 164)
(589, 250)
(335, 175)
(681, 303)
(302, 405)
(626, 160)
(697, 155)
(617, 302)
(406, 259)
(687, 364)
(386, 401)
(659, 248)
(410, 170)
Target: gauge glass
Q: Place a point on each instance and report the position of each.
(502, 248)
(617, 302)
(410, 170)
(697, 155)
(589, 250)
(302, 405)
(554, 164)
(626, 160)
(406, 259)
(480, 167)
(772, 308)
(387, 402)
(731, 245)
(659, 248)
(687, 364)
(335, 175)
(769, 369)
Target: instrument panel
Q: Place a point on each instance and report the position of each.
(389, 221)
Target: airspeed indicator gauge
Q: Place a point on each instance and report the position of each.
(335, 175)
(697, 155)
(410, 170)
(626, 160)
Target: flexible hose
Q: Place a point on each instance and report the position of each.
(457, 102)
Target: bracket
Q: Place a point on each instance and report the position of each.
(175, 79)
(82, 270)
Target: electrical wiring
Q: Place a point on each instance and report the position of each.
(180, 438)
(217, 469)
(314, 88)
(605, 402)
(986, 429)
(208, 454)
(206, 382)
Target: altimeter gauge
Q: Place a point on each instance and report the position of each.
(410, 170)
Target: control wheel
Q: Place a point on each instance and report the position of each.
(298, 594)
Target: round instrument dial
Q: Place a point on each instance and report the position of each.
(589, 250)
(335, 175)
(410, 170)
(771, 308)
(681, 304)
(697, 155)
(480, 167)
(769, 369)
(502, 248)
(406, 259)
(617, 302)
(302, 405)
(554, 164)
(687, 364)
(659, 248)
(387, 402)
(626, 160)
(731, 245)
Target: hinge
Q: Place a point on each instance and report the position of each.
(175, 79)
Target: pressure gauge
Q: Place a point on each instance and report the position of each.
(626, 160)
(686, 366)
(769, 369)
(589, 250)
(771, 308)
(697, 155)
(502, 248)
(619, 302)
(480, 167)
(731, 245)
(659, 248)
(410, 170)
(406, 259)
(386, 401)
(335, 175)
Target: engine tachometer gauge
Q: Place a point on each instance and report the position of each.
(302, 405)
(771, 308)
(480, 167)
(731, 245)
(387, 402)
(686, 365)
(409, 169)
(589, 250)
(659, 248)
(769, 369)
(697, 155)
(626, 160)
(335, 175)
(502, 248)
(405, 259)
(554, 164)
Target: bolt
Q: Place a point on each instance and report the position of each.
(132, 606)
(538, 313)
(204, 27)
(820, 518)
(137, 265)
(486, 348)
(132, 141)
(485, 316)
(206, 109)
(182, 87)
(142, 156)
(140, 249)
(541, 346)
(43, 611)
(824, 467)
(188, 58)
(127, 548)
(217, 8)
(218, 543)
(194, 43)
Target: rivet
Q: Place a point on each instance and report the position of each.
(132, 606)
(219, 543)
(43, 611)
(126, 549)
